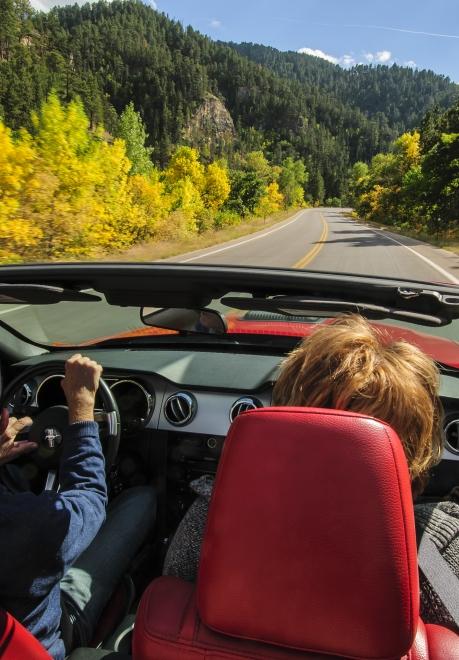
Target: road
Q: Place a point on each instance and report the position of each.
(328, 240)
(317, 239)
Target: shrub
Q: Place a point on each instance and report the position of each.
(226, 219)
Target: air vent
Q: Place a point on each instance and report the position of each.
(452, 435)
(180, 408)
(242, 405)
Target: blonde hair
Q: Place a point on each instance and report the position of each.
(349, 365)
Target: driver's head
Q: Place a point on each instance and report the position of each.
(349, 365)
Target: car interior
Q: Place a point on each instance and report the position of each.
(309, 552)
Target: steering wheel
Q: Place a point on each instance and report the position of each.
(48, 426)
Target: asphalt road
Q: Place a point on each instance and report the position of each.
(316, 239)
(328, 240)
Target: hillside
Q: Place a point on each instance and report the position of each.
(284, 103)
(403, 95)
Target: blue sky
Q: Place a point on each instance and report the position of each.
(338, 28)
(422, 33)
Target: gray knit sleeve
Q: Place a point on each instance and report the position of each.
(182, 558)
(440, 521)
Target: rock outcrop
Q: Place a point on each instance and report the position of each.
(211, 128)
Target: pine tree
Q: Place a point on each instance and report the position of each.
(131, 129)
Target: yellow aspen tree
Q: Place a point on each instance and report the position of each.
(115, 220)
(187, 200)
(149, 196)
(216, 186)
(89, 207)
(184, 164)
(185, 179)
(407, 148)
(17, 232)
(271, 201)
(63, 144)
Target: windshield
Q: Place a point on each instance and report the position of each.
(310, 136)
(94, 323)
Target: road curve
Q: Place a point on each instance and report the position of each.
(327, 239)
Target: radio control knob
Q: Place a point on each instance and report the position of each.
(211, 443)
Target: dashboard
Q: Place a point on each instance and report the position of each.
(176, 407)
(167, 390)
(149, 402)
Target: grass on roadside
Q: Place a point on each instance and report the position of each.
(163, 249)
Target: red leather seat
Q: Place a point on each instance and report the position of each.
(16, 643)
(309, 551)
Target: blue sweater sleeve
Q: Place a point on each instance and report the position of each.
(83, 491)
(42, 535)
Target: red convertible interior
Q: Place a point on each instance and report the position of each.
(293, 566)
(309, 552)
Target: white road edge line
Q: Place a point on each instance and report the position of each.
(13, 309)
(247, 240)
(441, 270)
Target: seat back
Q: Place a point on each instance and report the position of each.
(310, 541)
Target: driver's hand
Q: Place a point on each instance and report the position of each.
(80, 385)
(10, 448)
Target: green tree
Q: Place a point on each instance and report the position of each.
(292, 179)
(317, 187)
(358, 181)
(256, 161)
(441, 175)
(247, 189)
(131, 129)
(9, 27)
(282, 104)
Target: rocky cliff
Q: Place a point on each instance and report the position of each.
(211, 128)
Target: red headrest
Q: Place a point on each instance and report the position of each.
(310, 540)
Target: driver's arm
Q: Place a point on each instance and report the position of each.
(83, 490)
(44, 534)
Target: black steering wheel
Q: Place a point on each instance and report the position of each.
(48, 426)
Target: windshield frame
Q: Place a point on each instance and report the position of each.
(129, 286)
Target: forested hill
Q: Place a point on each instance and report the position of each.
(401, 94)
(286, 104)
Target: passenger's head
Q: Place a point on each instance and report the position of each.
(349, 365)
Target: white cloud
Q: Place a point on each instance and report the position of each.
(344, 60)
(319, 53)
(347, 60)
(215, 23)
(383, 56)
(41, 6)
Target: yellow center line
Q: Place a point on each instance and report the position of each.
(312, 254)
